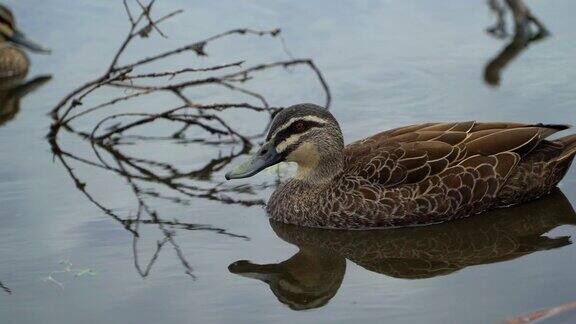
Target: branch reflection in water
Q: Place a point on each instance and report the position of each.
(109, 102)
(524, 35)
(311, 277)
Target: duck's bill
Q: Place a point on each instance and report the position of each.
(265, 157)
(19, 38)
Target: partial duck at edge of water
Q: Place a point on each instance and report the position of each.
(13, 61)
(14, 65)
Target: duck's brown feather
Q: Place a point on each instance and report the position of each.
(402, 156)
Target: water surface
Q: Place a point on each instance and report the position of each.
(389, 63)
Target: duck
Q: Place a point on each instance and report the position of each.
(14, 65)
(414, 175)
(313, 275)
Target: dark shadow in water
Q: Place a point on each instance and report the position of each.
(524, 35)
(311, 277)
(5, 288)
(12, 91)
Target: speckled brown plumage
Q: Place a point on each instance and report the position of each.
(429, 173)
(13, 63)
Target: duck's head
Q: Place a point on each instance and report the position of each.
(306, 134)
(9, 32)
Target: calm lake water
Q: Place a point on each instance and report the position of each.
(388, 63)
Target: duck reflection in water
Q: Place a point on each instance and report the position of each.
(14, 65)
(311, 277)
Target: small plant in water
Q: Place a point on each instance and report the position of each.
(68, 271)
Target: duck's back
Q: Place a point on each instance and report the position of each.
(448, 170)
(431, 173)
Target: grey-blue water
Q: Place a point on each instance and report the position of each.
(388, 63)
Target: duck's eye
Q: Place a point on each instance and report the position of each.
(299, 127)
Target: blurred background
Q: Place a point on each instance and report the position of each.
(65, 258)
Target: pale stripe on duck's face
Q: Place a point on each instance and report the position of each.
(5, 31)
(292, 120)
(287, 137)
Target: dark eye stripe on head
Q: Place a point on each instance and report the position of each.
(297, 127)
(286, 116)
(288, 123)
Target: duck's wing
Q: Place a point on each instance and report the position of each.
(414, 153)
